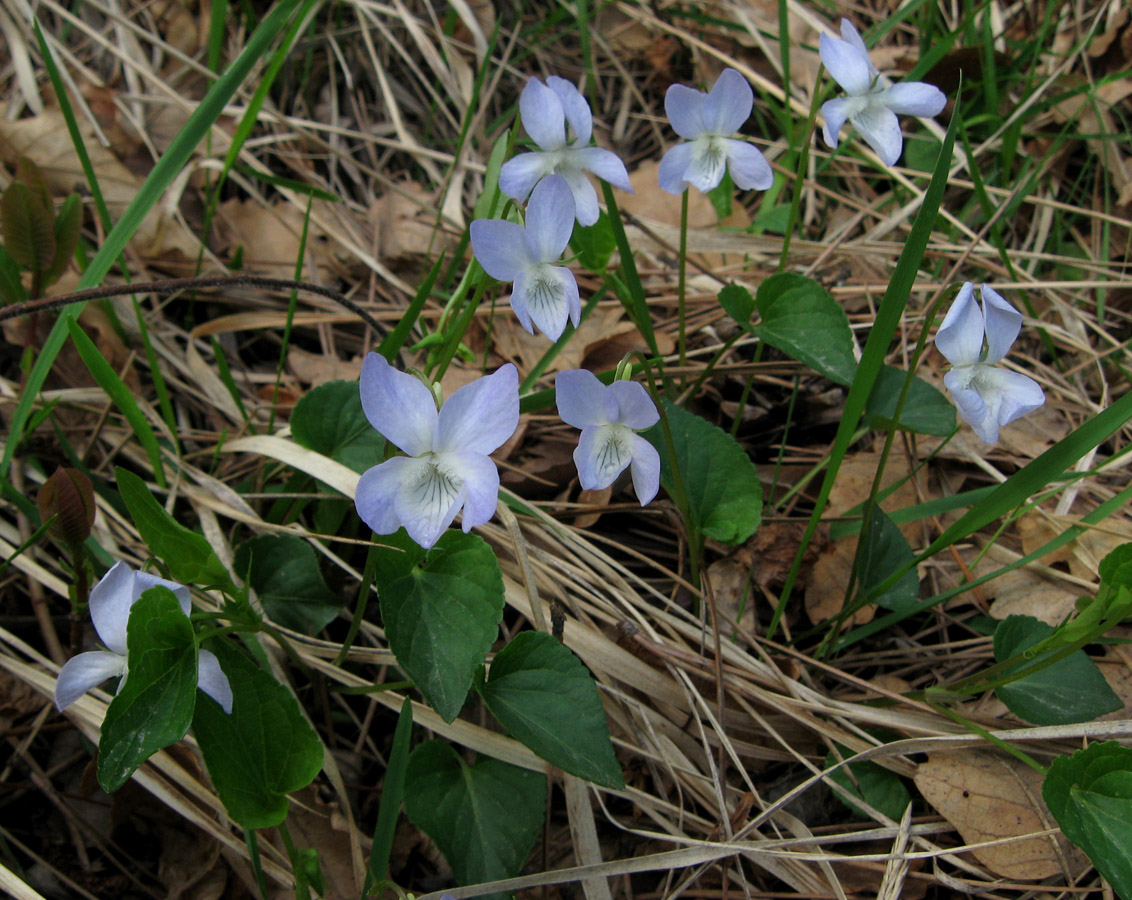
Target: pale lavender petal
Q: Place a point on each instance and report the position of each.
(1009, 395)
(880, 128)
(550, 221)
(914, 98)
(481, 486)
(552, 298)
(143, 581)
(728, 104)
(429, 500)
(972, 408)
(518, 301)
(377, 492)
(583, 400)
(501, 247)
(673, 166)
(634, 405)
(519, 175)
(749, 168)
(852, 36)
(835, 112)
(709, 161)
(212, 680)
(398, 405)
(85, 671)
(603, 453)
(848, 65)
(543, 116)
(575, 107)
(482, 415)
(960, 336)
(645, 469)
(110, 602)
(585, 197)
(684, 107)
(606, 165)
(1003, 322)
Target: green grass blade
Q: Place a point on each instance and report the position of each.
(395, 340)
(635, 305)
(392, 792)
(117, 391)
(880, 339)
(162, 175)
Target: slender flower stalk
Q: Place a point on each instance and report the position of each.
(707, 122)
(986, 395)
(550, 112)
(871, 108)
(545, 295)
(110, 603)
(609, 417)
(447, 467)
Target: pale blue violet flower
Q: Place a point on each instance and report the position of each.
(708, 121)
(546, 111)
(447, 467)
(987, 396)
(609, 417)
(544, 294)
(871, 107)
(110, 603)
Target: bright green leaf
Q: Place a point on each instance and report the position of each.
(799, 318)
(329, 419)
(283, 570)
(546, 698)
(261, 751)
(484, 817)
(1090, 796)
(881, 788)
(441, 609)
(885, 551)
(1067, 691)
(724, 496)
(594, 244)
(926, 410)
(190, 558)
(155, 705)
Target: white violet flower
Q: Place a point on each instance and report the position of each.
(110, 603)
(447, 467)
(870, 107)
(609, 417)
(986, 395)
(544, 294)
(707, 121)
(546, 109)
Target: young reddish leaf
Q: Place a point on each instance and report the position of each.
(67, 227)
(27, 227)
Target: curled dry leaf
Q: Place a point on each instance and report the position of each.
(989, 796)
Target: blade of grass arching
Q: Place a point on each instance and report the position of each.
(225, 374)
(103, 211)
(395, 340)
(159, 178)
(876, 348)
(117, 391)
(1098, 515)
(247, 123)
(1026, 482)
(583, 9)
(635, 304)
(392, 793)
(292, 303)
(554, 349)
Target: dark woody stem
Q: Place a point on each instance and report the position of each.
(175, 285)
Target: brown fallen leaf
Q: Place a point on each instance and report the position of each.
(270, 237)
(825, 590)
(988, 796)
(44, 139)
